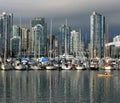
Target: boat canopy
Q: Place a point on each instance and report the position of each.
(44, 59)
(24, 60)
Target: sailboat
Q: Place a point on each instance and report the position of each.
(108, 65)
(20, 64)
(50, 65)
(80, 65)
(6, 64)
(66, 65)
(94, 61)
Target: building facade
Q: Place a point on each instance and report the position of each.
(6, 24)
(97, 35)
(15, 46)
(38, 28)
(114, 47)
(24, 39)
(74, 42)
(16, 30)
(38, 44)
(64, 39)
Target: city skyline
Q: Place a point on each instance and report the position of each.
(77, 12)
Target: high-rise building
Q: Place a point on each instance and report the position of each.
(74, 42)
(97, 35)
(51, 48)
(38, 29)
(6, 24)
(16, 30)
(38, 44)
(15, 46)
(24, 40)
(64, 39)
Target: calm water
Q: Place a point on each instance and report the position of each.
(59, 87)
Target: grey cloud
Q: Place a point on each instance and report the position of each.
(55, 7)
(77, 11)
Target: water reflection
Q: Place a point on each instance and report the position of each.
(58, 87)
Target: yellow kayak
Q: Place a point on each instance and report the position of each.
(105, 75)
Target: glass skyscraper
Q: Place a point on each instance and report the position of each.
(74, 42)
(38, 40)
(6, 24)
(15, 46)
(97, 35)
(38, 28)
(16, 30)
(64, 39)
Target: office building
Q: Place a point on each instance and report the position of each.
(74, 42)
(24, 40)
(15, 46)
(64, 39)
(6, 24)
(38, 29)
(16, 30)
(97, 35)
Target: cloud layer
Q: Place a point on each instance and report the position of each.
(77, 11)
(57, 7)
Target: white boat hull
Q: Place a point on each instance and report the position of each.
(64, 67)
(20, 67)
(108, 67)
(50, 67)
(80, 67)
(6, 67)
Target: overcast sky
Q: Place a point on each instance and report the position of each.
(76, 11)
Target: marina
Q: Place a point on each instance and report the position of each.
(47, 63)
(63, 63)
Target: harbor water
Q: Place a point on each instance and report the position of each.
(65, 86)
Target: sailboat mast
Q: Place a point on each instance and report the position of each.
(80, 43)
(20, 39)
(50, 38)
(106, 50)
(5, 48)
(66, 39)
(76, 45)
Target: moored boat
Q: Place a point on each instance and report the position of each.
(110, 64)
(19, 66)
(50, 66)
(6, 66)
(66, 66)
(93, 64)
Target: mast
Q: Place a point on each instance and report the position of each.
(66, 39)
(5, 48)
(80, 41)
(76, 44)
(106, 46)
(20, 39)
(93, 46)
(39, 45)
(81, 52)
(50, 38)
